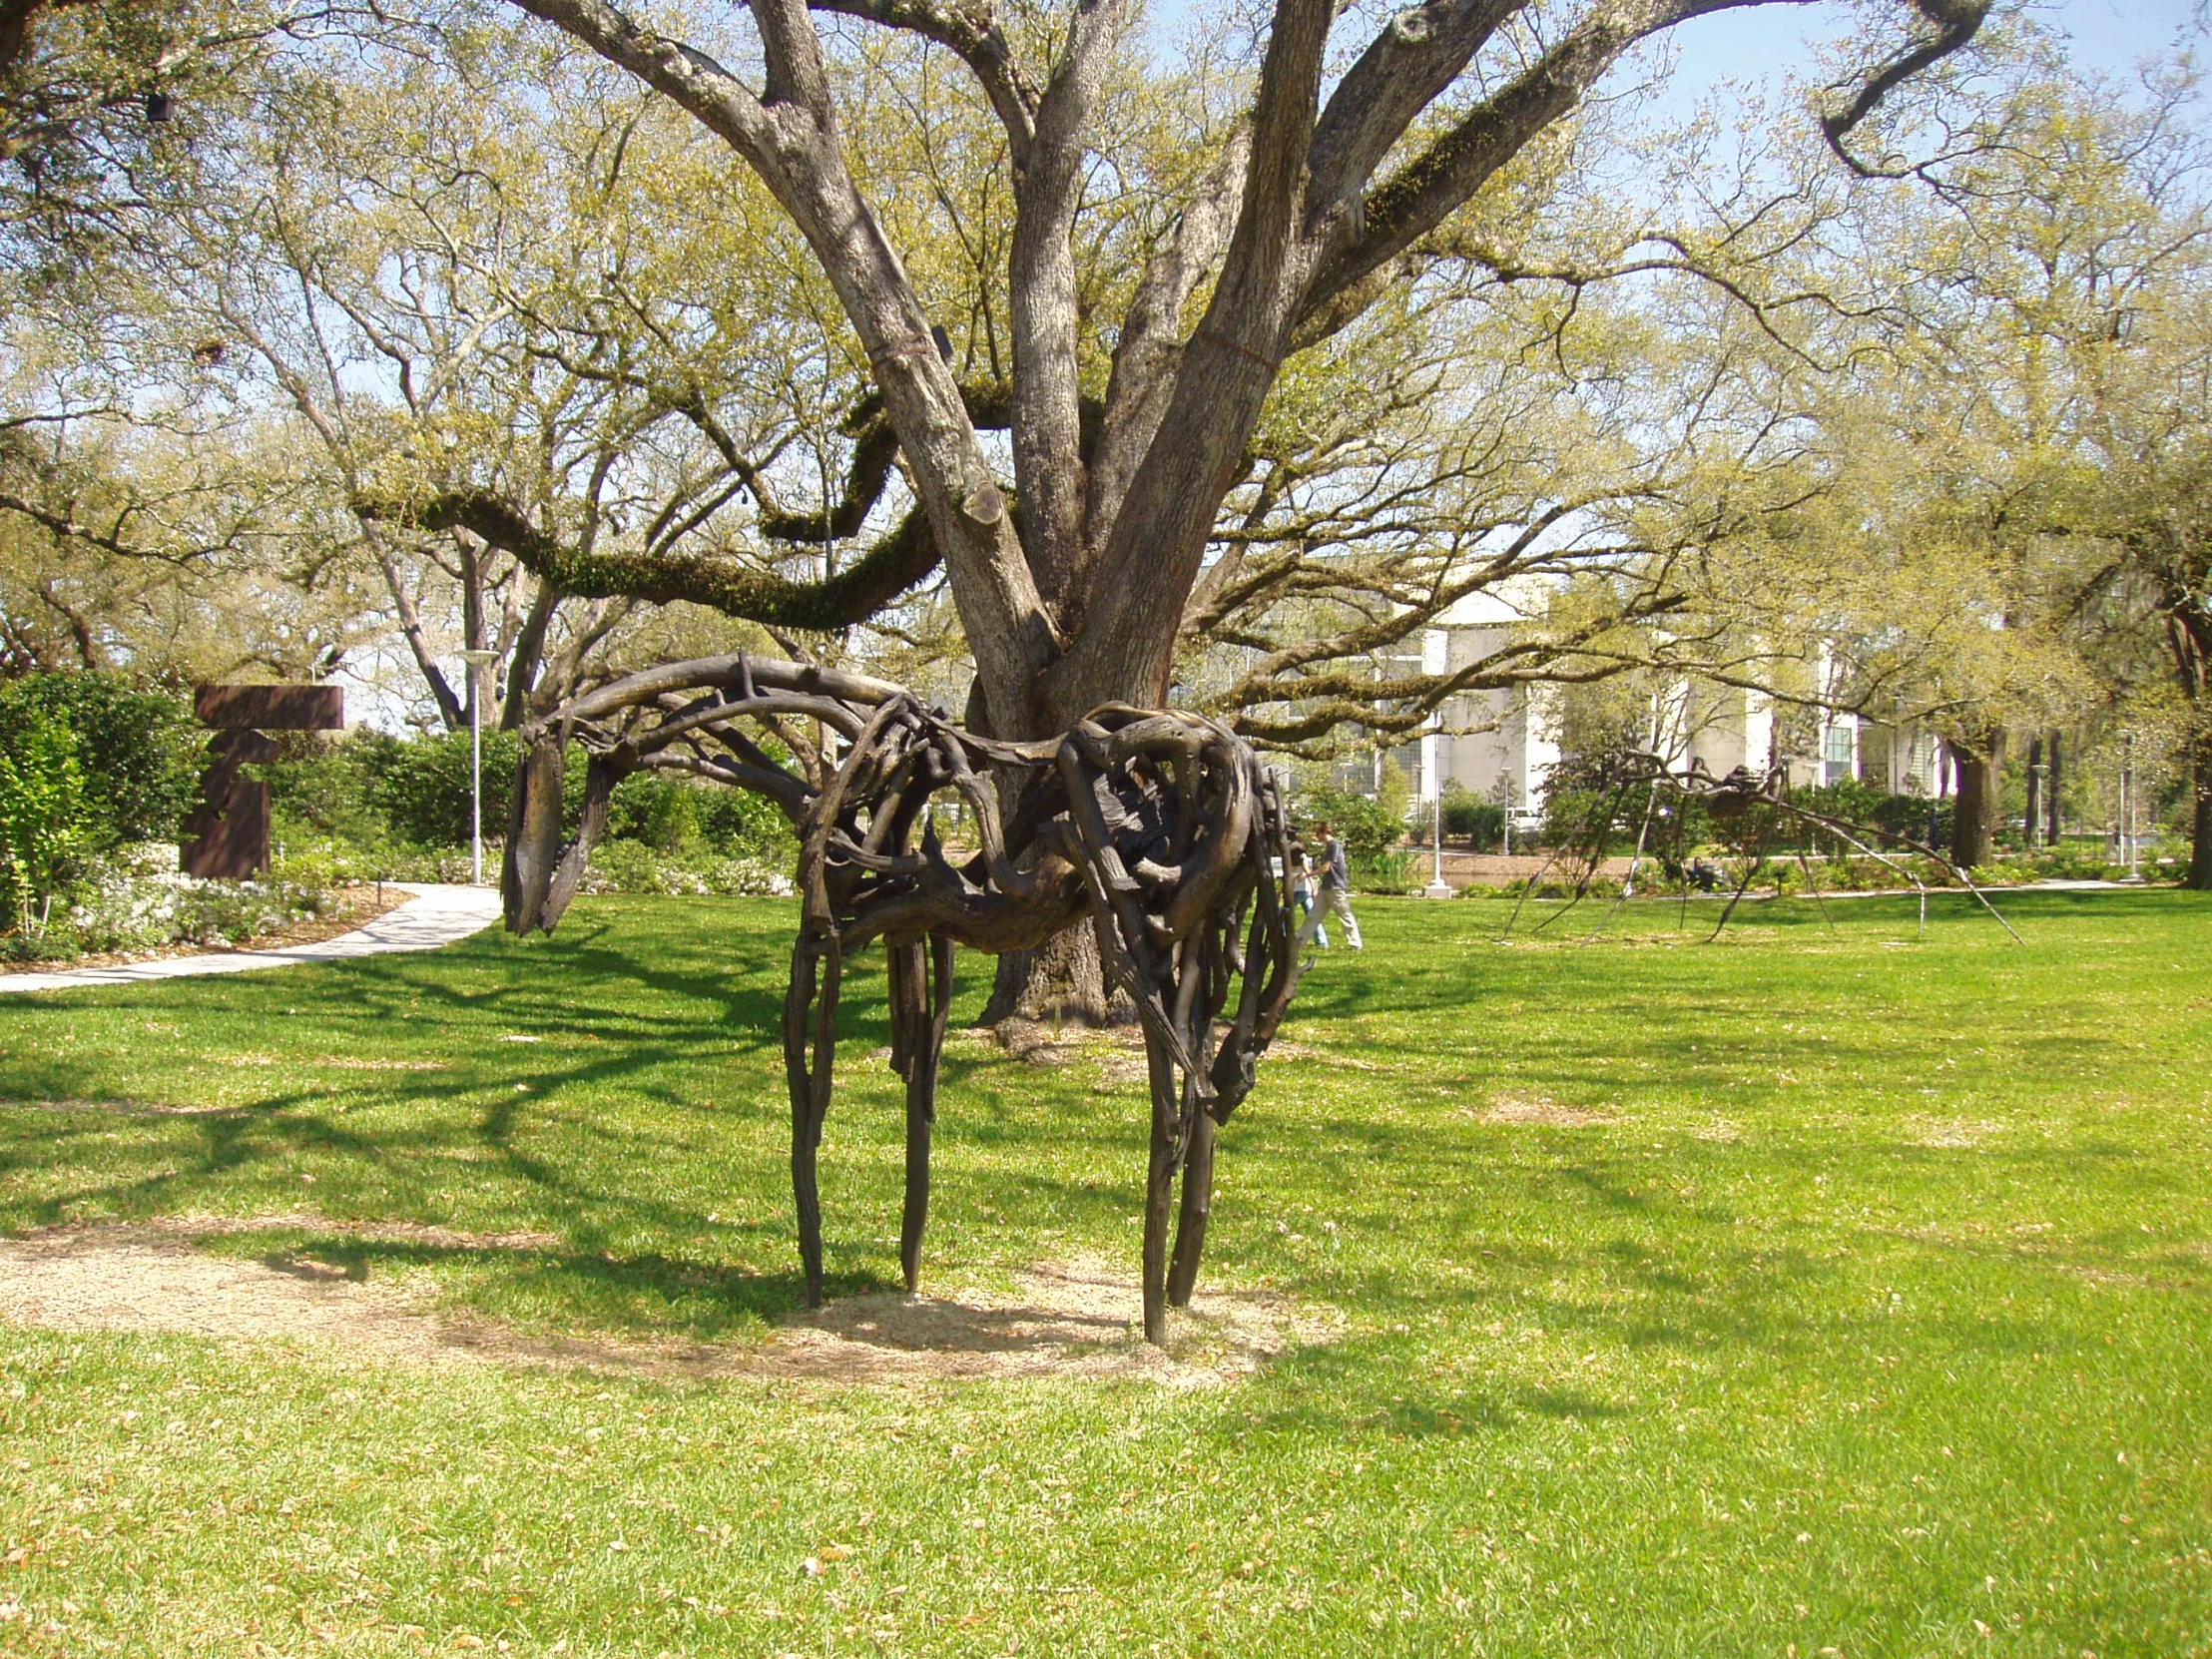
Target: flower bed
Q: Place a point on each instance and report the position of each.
(135, 899)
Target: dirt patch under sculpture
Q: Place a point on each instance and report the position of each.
(1077, 1320)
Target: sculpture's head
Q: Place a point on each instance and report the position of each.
(540, 872)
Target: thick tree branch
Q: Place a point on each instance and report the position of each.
(1159, 538)
(1151, 345)
(1954, 23)
(1041, 299)
(64, 527)
(968, 29)
(1426, 191)
(896, 564)
(1419, 54)
(411, 623)
(1319, 704)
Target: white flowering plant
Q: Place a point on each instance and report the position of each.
(633, 867)
(135, 898)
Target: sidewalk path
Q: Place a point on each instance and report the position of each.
(437, 915)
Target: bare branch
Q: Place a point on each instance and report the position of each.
(1151, 345)
(1953, 24)
(1047, 436)
(790, 142)
(971, 34)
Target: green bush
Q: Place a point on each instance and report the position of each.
(138, 752)
(1865, 808)
(319, 785)
(675, 815)
(88, 761)
(422, 788)
(1367, 829)
(1555, 887)
(45, 821)
(1385, 872)
(744, 824)
(2073, 866)
(393, 806)
(1469, 817)
(660, 811)
(634, 867)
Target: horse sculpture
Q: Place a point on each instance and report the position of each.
(1162, 827)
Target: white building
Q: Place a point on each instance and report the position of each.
(1500, 746)
(1497, 745)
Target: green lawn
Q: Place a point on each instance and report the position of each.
(1868, 1316)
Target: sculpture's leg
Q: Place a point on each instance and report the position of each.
(810, 1079)
(923, 1017)
(1197, 1208)
(1159, 1194)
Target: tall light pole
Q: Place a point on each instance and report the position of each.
(2128, 855)
(1437, 887)
(477, 661)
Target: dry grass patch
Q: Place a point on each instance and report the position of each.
(1074, 1320)
(1540, 1110)
(126, 1108)
(1956, 1133)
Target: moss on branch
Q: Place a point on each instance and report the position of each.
(899, 562)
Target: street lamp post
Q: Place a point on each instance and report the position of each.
(2128, 855)
(477, 661)
(1437, 887)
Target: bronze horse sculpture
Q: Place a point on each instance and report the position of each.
(1161, 828)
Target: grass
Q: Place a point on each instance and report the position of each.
(1865, 1313)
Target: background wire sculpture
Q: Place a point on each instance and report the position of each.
(1752, 804)
(1161, 828)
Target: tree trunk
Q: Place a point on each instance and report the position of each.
(1973, 812)
(2035, 819)
(1062, 982)
(2199, 878)
(2053, 824)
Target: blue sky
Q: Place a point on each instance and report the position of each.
(2112, 36)
(2107, 35)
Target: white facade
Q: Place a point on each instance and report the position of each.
(1500, 746)
(1719, 726)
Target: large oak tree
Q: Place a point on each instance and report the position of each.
(1344, 160)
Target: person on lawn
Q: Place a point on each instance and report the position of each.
(1301, 884)
(1336, 893)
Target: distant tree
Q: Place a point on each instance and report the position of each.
(2025, 376)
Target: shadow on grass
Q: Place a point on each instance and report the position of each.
(547, 1288)
(586, 1146)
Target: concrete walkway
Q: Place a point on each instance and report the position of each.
(436, 915)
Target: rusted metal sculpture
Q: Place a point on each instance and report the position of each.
(227, 835)
(1162, 828)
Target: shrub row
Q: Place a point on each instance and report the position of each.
(94, 770)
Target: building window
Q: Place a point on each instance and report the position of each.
(1840, 746)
